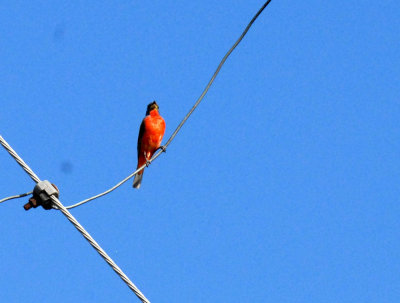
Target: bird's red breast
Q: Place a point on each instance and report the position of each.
(151, 136)
(149, 140)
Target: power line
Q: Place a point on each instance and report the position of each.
(156, 155)
(21, 162)
(79, 227)
(107, 191)
(215, 75)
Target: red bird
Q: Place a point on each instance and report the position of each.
(150, 136)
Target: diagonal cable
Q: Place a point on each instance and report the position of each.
(214, 76)
(78, 226)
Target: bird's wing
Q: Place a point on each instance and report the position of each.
(139, 141)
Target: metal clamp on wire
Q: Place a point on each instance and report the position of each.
(41, 195)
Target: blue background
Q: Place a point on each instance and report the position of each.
(283, 186)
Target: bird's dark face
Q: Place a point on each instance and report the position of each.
(151, 106)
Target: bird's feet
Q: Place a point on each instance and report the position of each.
(147, 159)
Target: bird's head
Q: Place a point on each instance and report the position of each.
(151, 106)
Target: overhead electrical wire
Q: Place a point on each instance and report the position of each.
(156, 155)
(16, 196)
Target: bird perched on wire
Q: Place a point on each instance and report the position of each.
(150, 136)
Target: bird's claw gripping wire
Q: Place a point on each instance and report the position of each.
(148, 162)
(163, 148)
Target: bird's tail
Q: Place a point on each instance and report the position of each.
(138, 180)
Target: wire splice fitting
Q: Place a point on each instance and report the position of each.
(41, 195)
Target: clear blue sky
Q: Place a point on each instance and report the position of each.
(283, 186)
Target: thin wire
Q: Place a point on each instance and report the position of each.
(79, 227)
(107, 191)
(15, 197)
(156, 155)
(216, 73)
